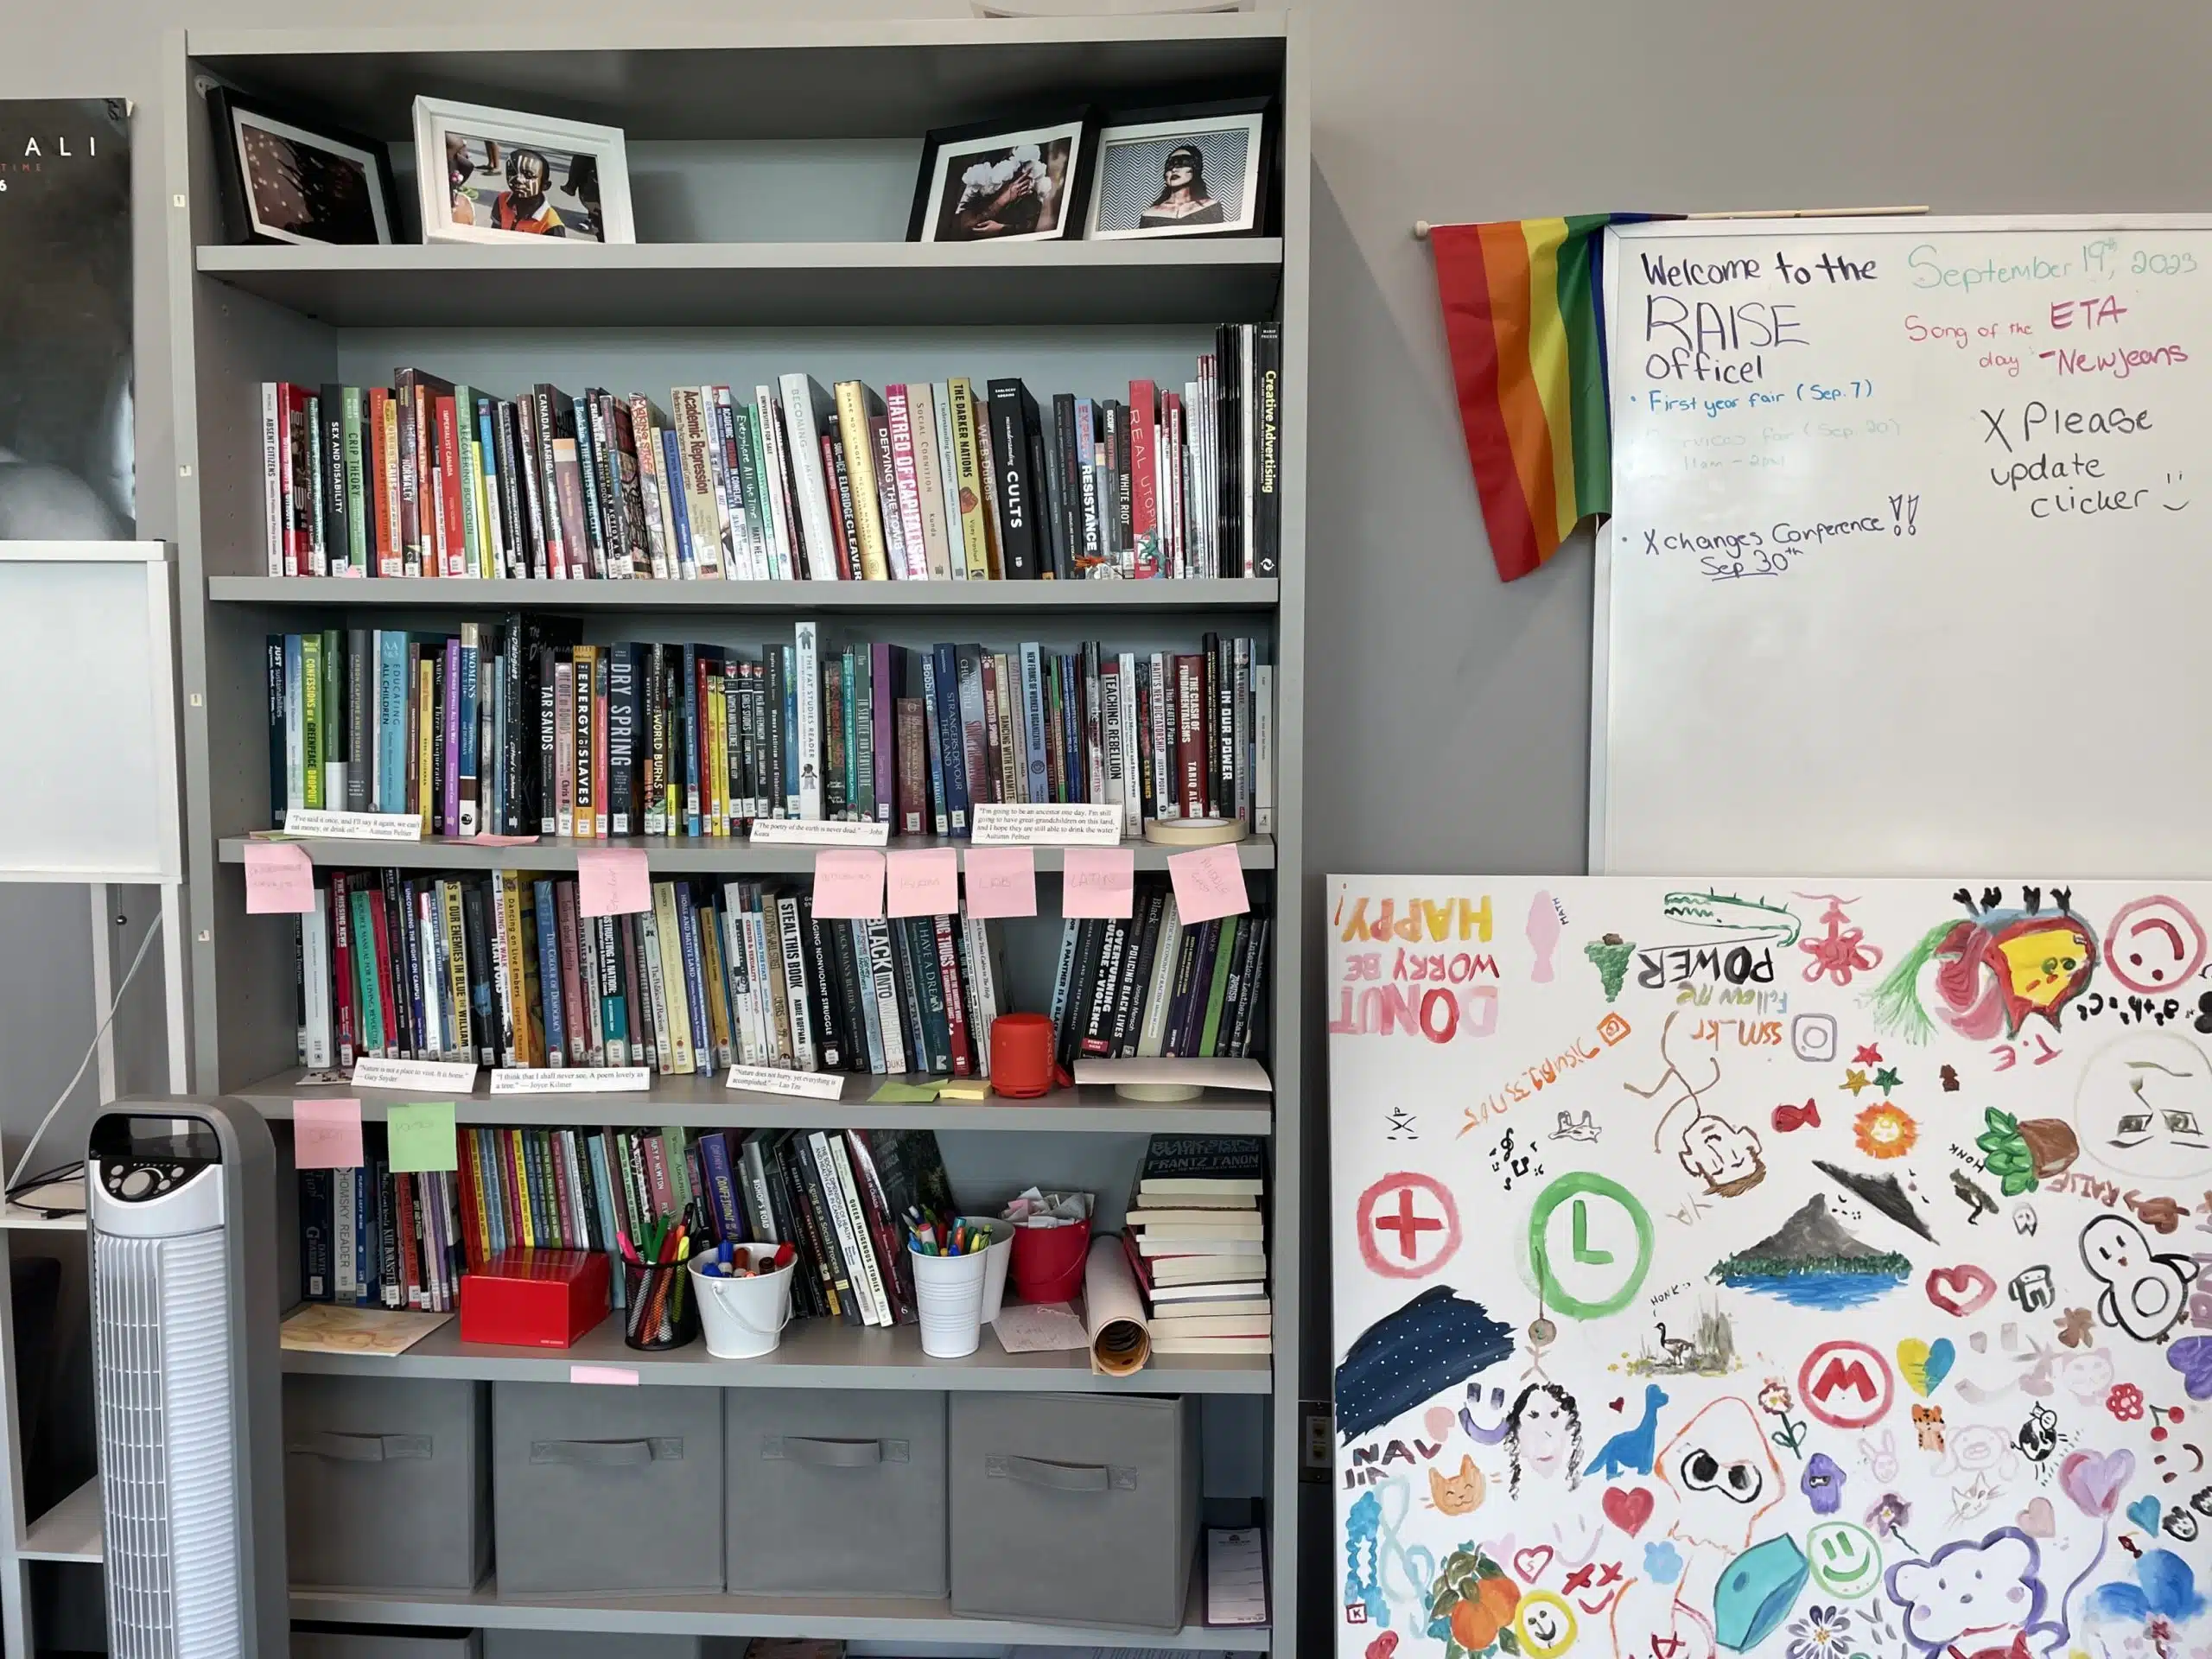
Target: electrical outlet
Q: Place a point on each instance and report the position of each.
(1320, 1428)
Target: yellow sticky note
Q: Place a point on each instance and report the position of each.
(965, 1088)
(420, 1138)
(907, 1093)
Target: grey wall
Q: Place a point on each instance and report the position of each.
(1447, 716)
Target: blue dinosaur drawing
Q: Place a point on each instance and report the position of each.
(1632, 1448)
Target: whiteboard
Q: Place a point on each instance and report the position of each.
(1787, 1270)
(1910, 563)
(87, 738)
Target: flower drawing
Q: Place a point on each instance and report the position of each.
(1885, 1130)
(1823, 1633)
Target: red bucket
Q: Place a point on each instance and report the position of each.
(1048, 1261)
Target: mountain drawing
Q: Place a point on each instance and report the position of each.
(1813, 1260)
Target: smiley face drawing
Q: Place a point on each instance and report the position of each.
(1844, 1558)
(2144, 1108)
(2145, 1294)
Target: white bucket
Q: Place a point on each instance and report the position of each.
(996, 1255)
(948, 1294)
(744, 1319)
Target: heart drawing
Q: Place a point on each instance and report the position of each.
(2144, 1512)
(1925, 1364)
(2192, 1357)
(1628, 1507)
(2039, 1520)
(1529, 1564)
(2093, 1480)
(1961, 1290)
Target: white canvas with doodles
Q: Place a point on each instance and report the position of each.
(1810, 1270)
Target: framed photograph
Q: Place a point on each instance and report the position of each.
(289, 178)
(1005, 181)
(1199, 170)
(501, 175)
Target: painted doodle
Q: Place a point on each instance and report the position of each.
(1807, 1270)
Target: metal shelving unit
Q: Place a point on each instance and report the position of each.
(1072, 313)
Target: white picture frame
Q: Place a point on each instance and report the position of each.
(566, 196)
(1128, 169)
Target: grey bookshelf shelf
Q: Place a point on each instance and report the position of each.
(872, 1619)
(705, 1103)
(672, 855)
(721, 116)
(773, 598)
(754, 284)
(70, 1531)
(814, 1354)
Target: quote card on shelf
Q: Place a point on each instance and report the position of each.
(612, 881)
(1001, 881)
(322, 821)
(1047, 824)
(847, 884)
(1098, 881)
(279, 878)
(326, 1134)
(373, 1073)
(1209, 884)
(819, 832)
(421, 1138)
(924, 884)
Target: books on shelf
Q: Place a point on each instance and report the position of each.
(370, 1238)
(1195, 1236)
(952, 480)
(521, 728)
(1146, 985)
(503, 970)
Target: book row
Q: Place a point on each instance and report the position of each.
(924, 480)
(373, 1237)
(503, 970)
(520, 728)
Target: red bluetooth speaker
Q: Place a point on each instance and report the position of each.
(1021, 1055)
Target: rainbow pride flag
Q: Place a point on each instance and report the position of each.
(1526, 325)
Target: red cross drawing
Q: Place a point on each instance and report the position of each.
(1422, 1224)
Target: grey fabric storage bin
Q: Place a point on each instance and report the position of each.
(835, 1492)
(606, 1491)
(387, 1482)
(1079, 1508)
(310, 1642)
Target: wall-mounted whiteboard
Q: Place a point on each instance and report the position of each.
(1910, 563)
(87, 721)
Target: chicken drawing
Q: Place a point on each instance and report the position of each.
(1994, 970)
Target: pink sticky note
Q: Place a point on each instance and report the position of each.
(502, 841)
(326, 1134)
(1001, 881)
(924, 884)
(620, 1376)
(612, 881)
(1098, 881)
(279, 878)
(848, 882)
(1209, 883)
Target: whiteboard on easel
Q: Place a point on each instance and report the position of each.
(87, 738)
(1910, 563)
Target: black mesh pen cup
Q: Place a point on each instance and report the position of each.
(661, 1310)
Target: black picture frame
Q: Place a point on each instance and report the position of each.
(1266, 176)
(226, 107)
(928, 189)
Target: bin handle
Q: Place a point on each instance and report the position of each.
(359, 1448)
(832, 1454)
(608, 1454)
(1061, 1477)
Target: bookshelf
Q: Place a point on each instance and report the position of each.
(772, 164)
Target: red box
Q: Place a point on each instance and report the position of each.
(534, 1298)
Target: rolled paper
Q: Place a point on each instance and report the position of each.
(1113, 1311)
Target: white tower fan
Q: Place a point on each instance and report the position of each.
(184, 1358)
